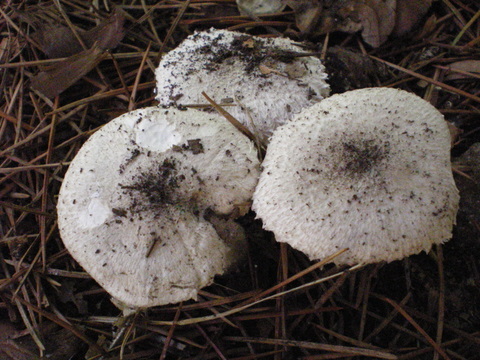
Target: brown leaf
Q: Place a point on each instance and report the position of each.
(9, 48)
(39, 14)
(67, 294)
(455, 132)
(8, 330)
(57, 40)
(378, 20)
(307, 14)
(370, 26)
(108, 33)
(471, 66)
(11, 350)
(409, 12)
(62, 75)
(259, 7)
(52, 35)
(323, 16)
(62, 344)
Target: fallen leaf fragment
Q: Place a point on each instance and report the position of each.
(376, 19)
(471, 159)
(350, 16)
(455, 132)
(469, 66)
(53, 36)
(307, 14)
(57, 40)
(409, 13)
(10, 350)
(9, 331)
(57, 78)
(260, 7)
(9, 48)
(370, 26)
(108, 34)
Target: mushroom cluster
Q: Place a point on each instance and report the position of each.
(144, 206)
(368, 170)
(263, 81)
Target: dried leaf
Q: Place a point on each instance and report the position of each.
(409, 12)
(260, 7)
(9, 48)
(471, 158)
(62, 344)
(378, 20)
(428, 28)
(370, 26)
(8, 331)
(40, 14)
(17, 246)
(320, 17)
(307, 14)
(11, 350)
(268, 68)
(455, 132)
(471, 66)
(295, 70)
(57, 40)
(52, 35)
(108, 33)
(62, 75)
(67, 294)
(265, 70)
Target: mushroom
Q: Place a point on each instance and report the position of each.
(133, 205)
(267, 80)
(368, 170)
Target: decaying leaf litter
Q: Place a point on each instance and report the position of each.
(422, 307)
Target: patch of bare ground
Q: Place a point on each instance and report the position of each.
(67, 67)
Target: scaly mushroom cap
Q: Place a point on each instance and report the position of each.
(264, 78)
(131, 207)
(367, 170)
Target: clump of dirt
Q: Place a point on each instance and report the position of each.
(155, 188)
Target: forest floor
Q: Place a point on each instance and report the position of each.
(424, 307)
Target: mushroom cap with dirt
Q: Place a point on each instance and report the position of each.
(133, 205)
(267, 80)
(368, 170)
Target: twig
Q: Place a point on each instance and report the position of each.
(345, 350)
(429, 80)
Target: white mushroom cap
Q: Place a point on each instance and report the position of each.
(367, 170)
(132, 204)
(263, 77)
